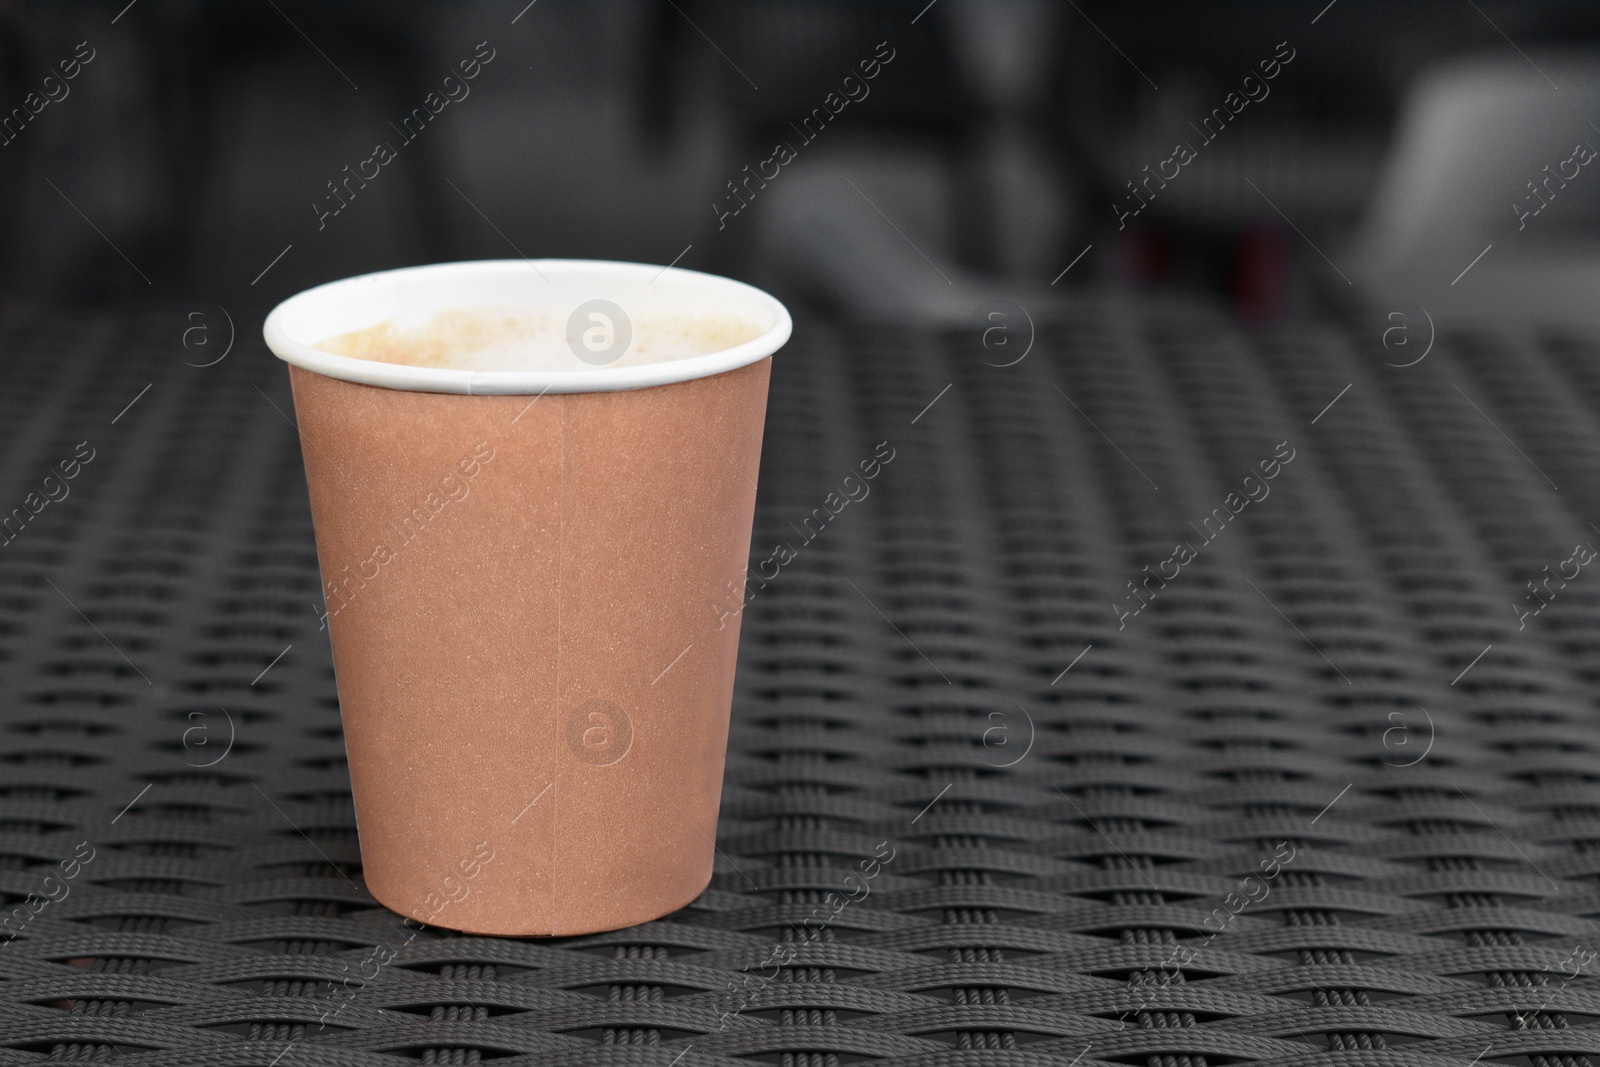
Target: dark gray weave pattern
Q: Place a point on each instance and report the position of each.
(1338, 677)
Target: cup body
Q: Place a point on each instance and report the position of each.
(532, 597)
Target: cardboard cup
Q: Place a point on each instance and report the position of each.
(533, 585)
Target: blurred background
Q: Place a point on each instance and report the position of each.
(935, 155)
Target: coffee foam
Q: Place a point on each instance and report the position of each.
(524, 339)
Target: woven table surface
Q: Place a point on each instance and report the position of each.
(1320, 789)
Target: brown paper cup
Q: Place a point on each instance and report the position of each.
(533, 582)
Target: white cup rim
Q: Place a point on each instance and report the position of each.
(293, 327)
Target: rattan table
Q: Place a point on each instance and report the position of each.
(1320, 789)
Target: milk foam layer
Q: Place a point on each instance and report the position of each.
(523, 339)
